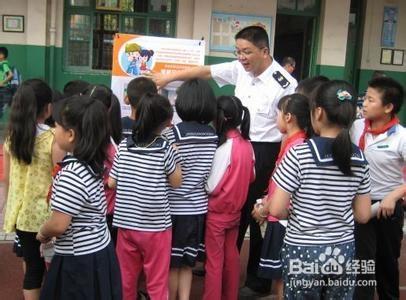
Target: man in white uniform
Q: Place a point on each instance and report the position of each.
(259, 82)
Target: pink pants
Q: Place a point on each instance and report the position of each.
(149, 250)
(222, 257)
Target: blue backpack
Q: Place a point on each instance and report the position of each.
(16, 80)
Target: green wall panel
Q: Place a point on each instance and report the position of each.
(365, 76)
(62, 76)
(332, 72)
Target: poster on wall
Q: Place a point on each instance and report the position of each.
(389, 26)
(135, 55)
(224, 27)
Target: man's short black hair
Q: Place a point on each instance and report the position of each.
(287, 60)
(138, 87)
(391, 90)
(4, 50)
(255, 35)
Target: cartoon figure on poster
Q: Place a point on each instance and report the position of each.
(136, 60)
(145, 56)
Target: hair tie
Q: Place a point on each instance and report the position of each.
(92, 91)
(343, 95)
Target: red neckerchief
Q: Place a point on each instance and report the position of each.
(367, 129)
(288, 141)
(55, 172)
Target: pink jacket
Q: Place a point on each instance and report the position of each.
(108, 163)
(232, 172)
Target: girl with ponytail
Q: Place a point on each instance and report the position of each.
(227, 186)
(325, 183)
(30, 153)
(85, 264)
(112, 104)
(293, 121)
(144, 167)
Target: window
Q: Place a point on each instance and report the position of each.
(92, 24)
(299, 6)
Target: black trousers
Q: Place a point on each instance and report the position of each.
(265, 159)
(381, 241)
(34, 263)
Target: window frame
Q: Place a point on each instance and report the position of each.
(91, 11)
(312, 12)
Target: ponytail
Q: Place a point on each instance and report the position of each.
(87, 117)
(220, 125)
(245, 123)
(338, 99)
(152, 112)
(28, 104)
(114, 114)
(231, 114)
(342, 151)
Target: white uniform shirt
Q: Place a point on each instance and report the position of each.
(386, 155)
(259, 94)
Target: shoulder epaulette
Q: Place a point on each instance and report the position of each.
(283, 82)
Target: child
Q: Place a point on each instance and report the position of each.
(227, 185)
(112, 104)
(308, 87)
(75, 87)
(84, 265)
(6, 75)
(137, 88)
(30, 152)
(144, 165)
(326, 180)
(383, 140)
(106, 96)
(294, 121)
(196, 142)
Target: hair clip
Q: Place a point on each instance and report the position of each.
(343, 95)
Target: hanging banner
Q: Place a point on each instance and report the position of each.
(135, 55)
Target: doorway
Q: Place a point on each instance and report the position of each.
(354, 41)
(294, 36)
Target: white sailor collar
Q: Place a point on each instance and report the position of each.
(321, 149)
(194, 132)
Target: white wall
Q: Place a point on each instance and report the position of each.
(371, 50)
(194, 17)
(184, 19)
(254, 7)
(16, 7)
(35, 22)
(333, 33)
